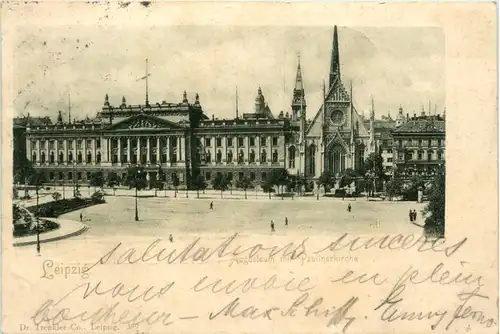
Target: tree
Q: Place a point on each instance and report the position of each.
(23, 171)
(56, 196)
(97, 179)
(199, 184)
(220, 182)
(326, 179)
(373, 166)
(175, 183)
(415, 184)
(244, 183)
(394, 187)
(348, 176)
(435, 223)
(136, 177)
(300, 184)
(267, 185)
(113, 179)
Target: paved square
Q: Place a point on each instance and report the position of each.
(180, 216)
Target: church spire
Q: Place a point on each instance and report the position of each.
(335, 61)
(299, 99)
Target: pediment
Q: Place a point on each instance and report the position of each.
(144, 122)
(335, 139)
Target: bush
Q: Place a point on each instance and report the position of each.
(57, 208)
(56, 196)
(97, 197)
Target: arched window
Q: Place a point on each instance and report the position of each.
(252, 156)
(241, 156)
(440, 155)
(230, 156)
(291, 157)
(208, 157)
(70, 156)
(219, 156)
(80, 157)
(43, 157)
(52, 158)
(61, 157)
(429, 155)
(312, 159)
(89, 157)
(263, 156)
(33, 157)
(98, 157)
(275, 156)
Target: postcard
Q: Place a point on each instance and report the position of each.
(249, 167)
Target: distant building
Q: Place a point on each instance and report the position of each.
(419, 146)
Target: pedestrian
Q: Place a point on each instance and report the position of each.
(286, 221)
(414, 215)
(272, 226)
(211, 205)
(411, 216)
(349, 207)
(171, 238)
(81, 216)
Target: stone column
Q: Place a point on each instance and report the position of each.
(246, 141)
(257, 150)
(84, 149)
(178, 141)
(119, 140)
(167, 148)
(138, 150)
(65, 158)
(94, 152)
(158, 157)
(38, 157)
(214, 150)
(148, 151)
(224, 150)
(28, 148)
(129, 149)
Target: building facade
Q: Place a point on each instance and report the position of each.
(419, 146)
(180, 140)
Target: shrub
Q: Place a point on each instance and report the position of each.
(97, 197)
(56, 196)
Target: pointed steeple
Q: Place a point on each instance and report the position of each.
(299, 99)
(335, 61)
(298, 77)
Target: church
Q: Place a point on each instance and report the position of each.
(336, 139)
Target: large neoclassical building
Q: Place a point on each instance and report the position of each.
(179, 138)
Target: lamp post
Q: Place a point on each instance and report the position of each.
(136, 209)
(37, 222)
(74, 178)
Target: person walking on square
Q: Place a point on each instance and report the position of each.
(286, 221)
(349, 207)
(272, 226)
(171, 238)
(211, 205)
(411, 216)
(414, 215)
(81, 216)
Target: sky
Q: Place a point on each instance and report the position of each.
(397, 66)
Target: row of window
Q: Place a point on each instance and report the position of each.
(420, 155)
(141, 142)
(420, 142)
(52, 157)
(60, 144)
(241, 175)
(143, 158)
(251, 141)
(241, 156)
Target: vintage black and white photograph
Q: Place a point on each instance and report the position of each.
(249, 168)
(326, 129)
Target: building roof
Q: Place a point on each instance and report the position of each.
(422, 125)
(31, 121)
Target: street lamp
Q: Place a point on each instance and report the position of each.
(136, 210)
(37, 222)
(74, 179)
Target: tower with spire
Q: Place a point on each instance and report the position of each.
(299, 99)
(335, 59)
